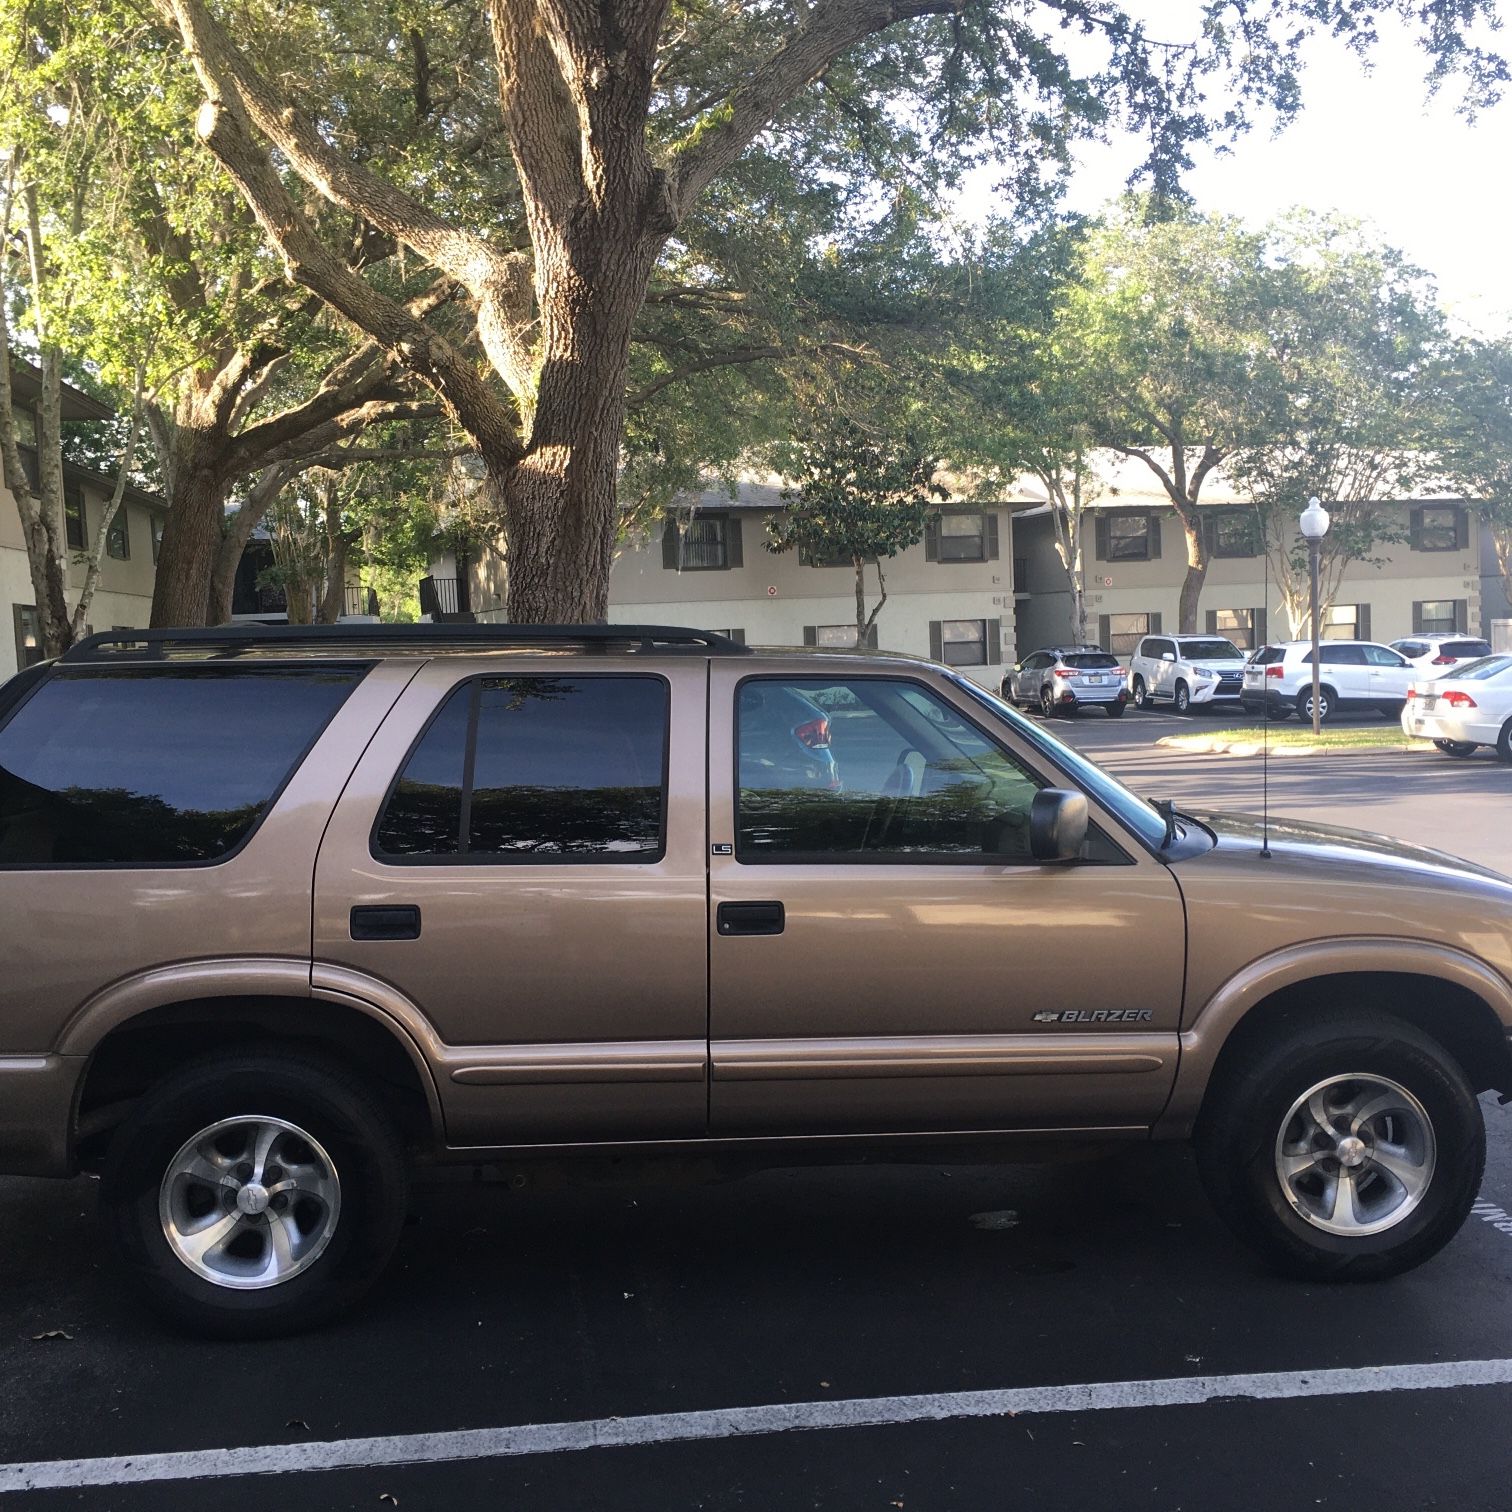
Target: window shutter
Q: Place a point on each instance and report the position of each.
(1100, 537)
(1212, 622)
(1417, 618)
(932, 539)
(1154, 538)
(1461, 616)
(1462, 529)
(936, 641)
(1362, 621)
(734, 549)
(1415, 530)
(1104, 631)
(994, 642)
(670, 542)
(1261, 630)
(1154, 625)
(991, 529)
(810, 635)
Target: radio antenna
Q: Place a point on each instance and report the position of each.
(1265, 850)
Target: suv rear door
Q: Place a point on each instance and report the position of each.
(516, 872)
(873, 967)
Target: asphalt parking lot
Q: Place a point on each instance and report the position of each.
(876, 1337)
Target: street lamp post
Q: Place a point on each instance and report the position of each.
(1314, 524)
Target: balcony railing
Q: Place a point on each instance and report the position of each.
(1021, 574)
(360, 601)
(443, 596)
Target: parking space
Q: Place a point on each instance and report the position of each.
(866, 1337)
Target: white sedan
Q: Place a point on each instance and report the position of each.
(1469, 707)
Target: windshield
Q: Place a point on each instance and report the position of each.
(1483, 670)
(1112, 794)
(1210, 650)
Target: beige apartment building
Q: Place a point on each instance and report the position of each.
(950, 597)
(986, 587)
(1134, 556)
(123, 598)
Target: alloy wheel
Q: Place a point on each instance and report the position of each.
(1355, 1155)
(250, 1202)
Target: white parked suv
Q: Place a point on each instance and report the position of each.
(1185, 670)
(1431, 654)
(1351, 675)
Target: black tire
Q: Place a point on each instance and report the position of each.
(1460, 748)
(1115, 710)
(1328, 702)
(1183, 698)
(1141, 694)
(317, 1096)
(1047, 703)
(1504, 743)
(1247, 1105)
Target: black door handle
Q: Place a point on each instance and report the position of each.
(750, 918)
(386, 922)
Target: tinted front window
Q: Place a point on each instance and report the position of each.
(870, 770)
(154, 767)
(561, 768)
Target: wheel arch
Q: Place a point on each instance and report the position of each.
(1445, 993)
(131, 1044)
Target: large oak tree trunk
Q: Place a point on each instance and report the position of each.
(559, 500)
(196, 490)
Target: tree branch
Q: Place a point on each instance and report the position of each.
(467, 257)
(731, 357)
(828, 30)
(224, 127)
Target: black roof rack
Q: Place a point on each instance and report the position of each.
(233, 640)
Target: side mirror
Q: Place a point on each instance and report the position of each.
(1168, 656)
(1057, 825)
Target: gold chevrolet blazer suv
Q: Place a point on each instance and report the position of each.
(286, 912)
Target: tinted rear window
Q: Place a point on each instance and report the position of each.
(1089, 659)
(155, 767)
(560, 769)
(1268, 656)
(1465, 648)
(1210, 650)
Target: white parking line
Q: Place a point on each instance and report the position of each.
(740, 1422)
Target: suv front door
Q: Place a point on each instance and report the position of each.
(516, 872)
(1390, 675)
(885, 955)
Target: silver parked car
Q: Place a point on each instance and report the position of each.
(1061, 679)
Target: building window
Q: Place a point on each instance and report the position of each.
(963, 643)
(26, 426)
(28, 635)
(74, 517)
(1233, 533)
(1237, 625)
(738, 636)
(1125, 631)
(963, 538)
(1342, 622)
(961, 535)
(838, 637)
(118, 542)
(832, 559)
(1437, 527)
(1437, 616)
(1125, 537)
(707, 543)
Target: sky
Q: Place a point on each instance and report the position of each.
(1372, 145)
